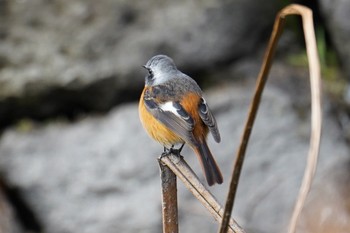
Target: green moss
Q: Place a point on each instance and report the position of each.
(298, 59)
(332, 78)
(25, 125)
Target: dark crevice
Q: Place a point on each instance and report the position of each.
(22, 211)
(67, 102)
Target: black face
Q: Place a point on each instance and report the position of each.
(150, 77)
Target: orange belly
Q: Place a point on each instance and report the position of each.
(155, 129)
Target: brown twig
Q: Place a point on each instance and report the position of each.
(316, 111)
(191, 181)
(249, 124)
(169, 199)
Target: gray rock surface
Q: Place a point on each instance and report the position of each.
(100, 174)
(65, 56)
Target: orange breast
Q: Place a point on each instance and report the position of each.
(155, 129)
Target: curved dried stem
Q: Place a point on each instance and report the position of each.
(316, 111)
(306, 15)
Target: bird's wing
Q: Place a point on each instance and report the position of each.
(208, 119)
(172, 115)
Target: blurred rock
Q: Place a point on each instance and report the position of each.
(63, 57)
(90, 177)
(336, 16)
(100, 174)
(327, 209)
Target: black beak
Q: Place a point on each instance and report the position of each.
(144, 66)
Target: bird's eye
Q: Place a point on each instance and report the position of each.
(150, 74)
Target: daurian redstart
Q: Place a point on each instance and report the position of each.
(173, 112)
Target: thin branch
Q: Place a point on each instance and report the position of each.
(169, 199)
(238, 164)
(315, 112)
(188, 177)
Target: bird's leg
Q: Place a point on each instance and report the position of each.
(182, 146)
(166, 152)
(177, 152)
(172, 150)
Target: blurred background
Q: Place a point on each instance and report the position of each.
(74, 156)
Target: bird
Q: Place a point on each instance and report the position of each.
(173, 112)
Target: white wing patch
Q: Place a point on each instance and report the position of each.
(169, 107)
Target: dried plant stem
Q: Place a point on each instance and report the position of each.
(249, 124)
(191, 181)
(316, 111)
(169, 199)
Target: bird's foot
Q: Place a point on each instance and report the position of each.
(172, 150)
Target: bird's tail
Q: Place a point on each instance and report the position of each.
(208, 163)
